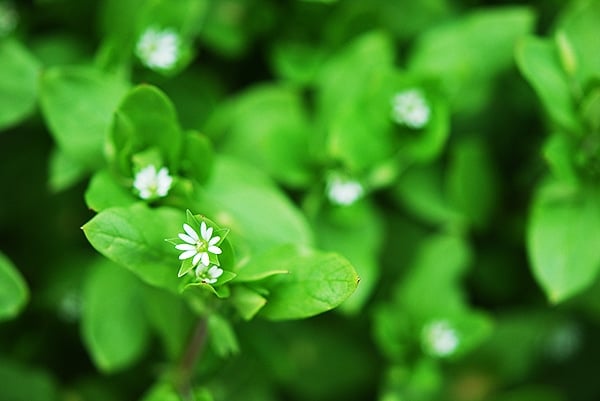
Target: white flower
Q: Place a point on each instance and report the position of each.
(410, 108)
(158, 49)
(198, 246)
(208, 276)
(151, 183)
(343, 191)
(439, 338)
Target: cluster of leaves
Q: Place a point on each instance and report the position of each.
(469, 220)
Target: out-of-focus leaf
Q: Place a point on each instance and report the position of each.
(562, 221)
(64, 171)
(24, 383)
(19, 72)
(78, 105)
(221, 336)
(104, 191)
(115, 329)
(13, 289)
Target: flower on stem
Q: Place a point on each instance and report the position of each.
(158, 49)
(197, 246)
(440, 338)
(410, 108)
(151, 183)
(208, 275)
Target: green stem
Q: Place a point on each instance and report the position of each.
(188, 361)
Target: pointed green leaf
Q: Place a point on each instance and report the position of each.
(104, 191)
(114, 327)
(246, 301)
(134, 237)
(18, 82)
(13, 289)
(562, 222)
(317, 282)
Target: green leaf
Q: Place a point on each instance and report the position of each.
(246, 301)
(278, 144)
(134, 237)
(115, 330)
(146, 118)
(539, 63)
(105, 191)
(64, 172)
(80, 127)
(580, 23)
(18, 82)
(198, 157)
(161, 392)
(353, 97)
(561, 223)
(24, 383)
(13, 289)
(471, 182)
(467, 52)
(221, 336)
(558, 152)
(264, 217)
(317, 282)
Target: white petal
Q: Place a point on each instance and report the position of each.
(191, 232)
(187, 255)
(187, 239)
(197, 258)
(204, 258)
(215, 272)
(215, 249)
(214, 240)
(185, 247)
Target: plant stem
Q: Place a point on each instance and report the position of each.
(189, 358)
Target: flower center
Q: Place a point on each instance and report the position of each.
(201, 246)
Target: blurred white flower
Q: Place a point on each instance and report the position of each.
(151, 183)
(198, 246)
(410, 108)
(208, 275)
(343, 191)
(8, 18)
(439, 338)
(159, 49)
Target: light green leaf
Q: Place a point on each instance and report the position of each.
(353, 99)
(580, 23)
(146, 118)
(278, 143)
(115, 330)
(105, 191)
(558, 152)
(198, 157)
(562, 222)
(161, 392)
(317, 282)
(539, 63)
(64, 172)
(221, 336)
(13, 289)
(246, 201)
(134, 237)
(246, 301)
(466, 52)
(18, 82)
(78, 105)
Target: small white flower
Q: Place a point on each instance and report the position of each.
(208, 275)
(151, 183)
(158, 49)
(410, 108)
(8, 18)
(343, 191)
(439, 338)
(198, 246)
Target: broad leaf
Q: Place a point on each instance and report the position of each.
(134, 237)
(80, 127)
(114, 326)
(562, 223)
(105, 191)
(316, 282)
(13, 289)
(18, 82)
(64, 171)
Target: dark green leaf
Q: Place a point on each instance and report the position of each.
(13, 289)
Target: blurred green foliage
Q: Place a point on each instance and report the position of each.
(444, 155)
